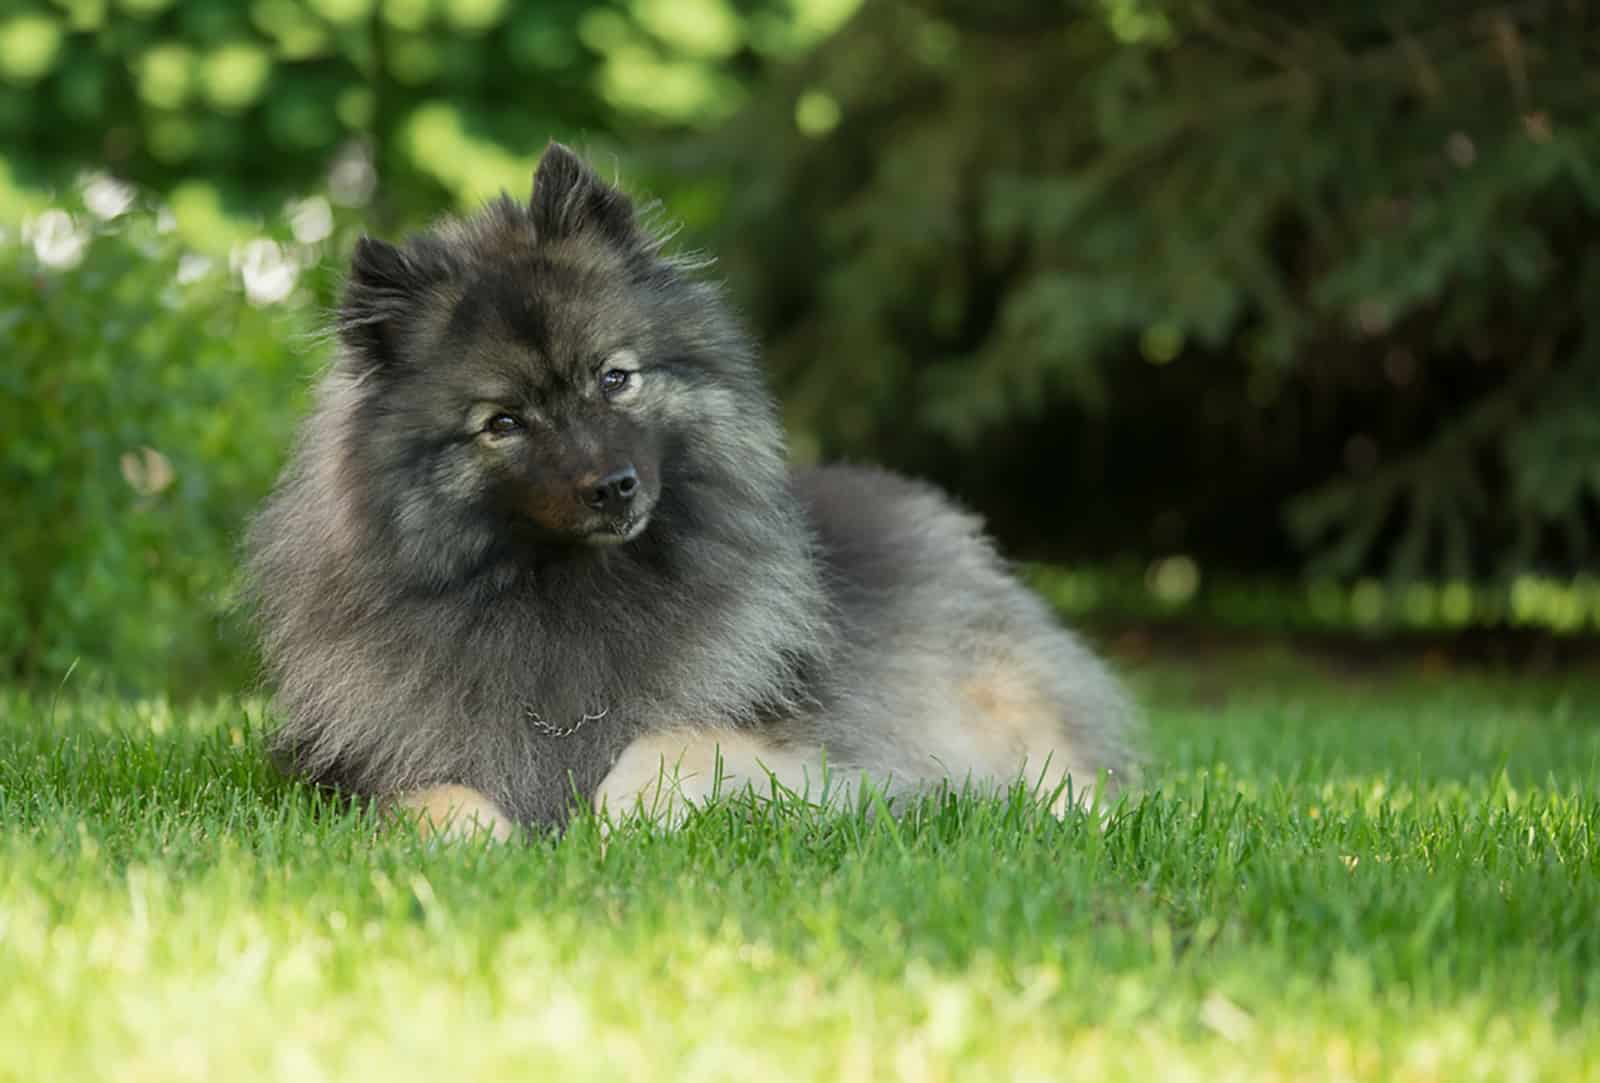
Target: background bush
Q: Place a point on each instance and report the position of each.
(1274, 319)
(146, 404)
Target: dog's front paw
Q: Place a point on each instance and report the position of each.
(451, 813)
(658, 780)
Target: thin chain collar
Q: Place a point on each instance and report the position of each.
(548, 730)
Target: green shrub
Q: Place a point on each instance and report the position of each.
(146, 402)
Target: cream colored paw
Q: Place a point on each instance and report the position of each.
(663, 777)
(659, 779)
(450, 813)
(1050, 775)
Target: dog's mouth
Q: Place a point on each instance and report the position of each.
(561, 526)
(618, 531)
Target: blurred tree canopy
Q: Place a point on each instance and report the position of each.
(242, 103)
(1259, 283)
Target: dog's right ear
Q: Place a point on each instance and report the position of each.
(385, 284)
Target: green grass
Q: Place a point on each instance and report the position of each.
(1328, 876)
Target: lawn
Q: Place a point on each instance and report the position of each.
(1330, 873)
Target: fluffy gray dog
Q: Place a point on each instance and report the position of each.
(538, 544)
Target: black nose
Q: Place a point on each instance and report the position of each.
(612, 493)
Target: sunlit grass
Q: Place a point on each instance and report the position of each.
(1325, 877)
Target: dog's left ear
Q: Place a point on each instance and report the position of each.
(570, 199)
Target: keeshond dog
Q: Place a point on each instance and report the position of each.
(539, 544)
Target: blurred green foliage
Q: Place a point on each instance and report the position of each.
(1172, 592)
(146, 403)
(1191, 289)
(416, 104)
(1183, 275)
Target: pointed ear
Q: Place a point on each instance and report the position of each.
(569, 199)
(385, 283)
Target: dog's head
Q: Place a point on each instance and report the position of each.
(538, 372)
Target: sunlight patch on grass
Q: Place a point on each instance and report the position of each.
(1322, 879)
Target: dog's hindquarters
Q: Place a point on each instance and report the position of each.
(952, 668)
(947, 669)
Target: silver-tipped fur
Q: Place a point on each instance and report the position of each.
(544, 480)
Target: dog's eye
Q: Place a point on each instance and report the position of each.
(502, 425)
(614, 380)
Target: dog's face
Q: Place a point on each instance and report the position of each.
(534, 372)
(572, 458)
(538, 387)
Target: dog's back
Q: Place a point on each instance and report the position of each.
(948, 667)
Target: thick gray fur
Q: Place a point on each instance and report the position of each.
(409, 626)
